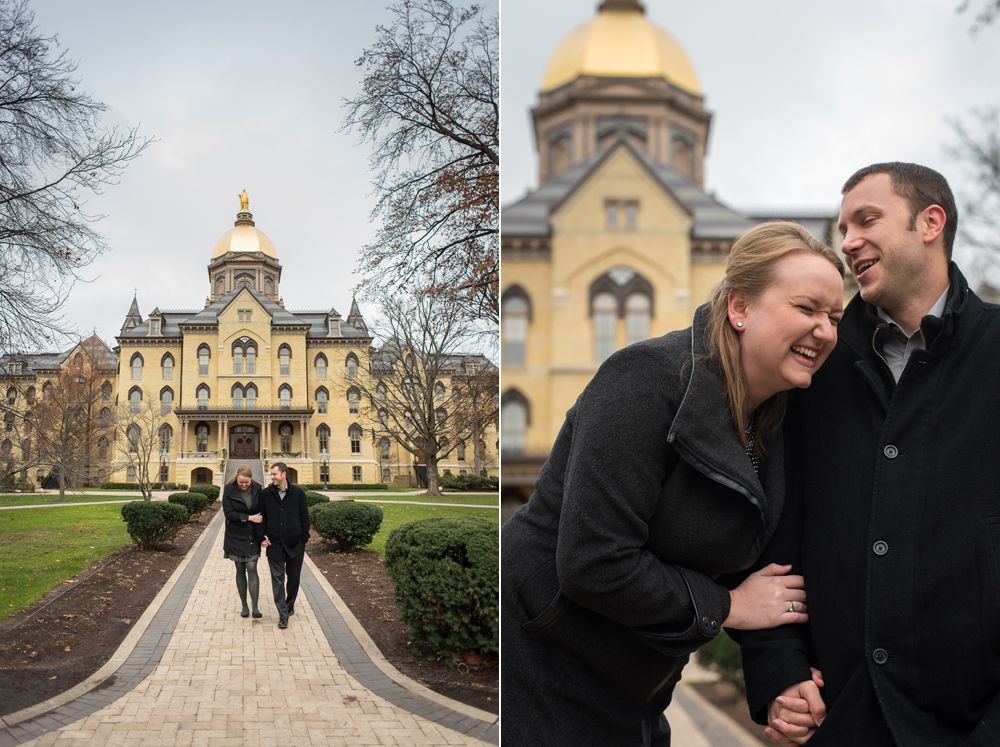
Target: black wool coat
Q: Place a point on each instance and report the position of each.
(611, 570)
(894, 501)
(240, 538)
(286, 522)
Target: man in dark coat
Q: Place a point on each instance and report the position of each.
(893, 497)
(285, 531)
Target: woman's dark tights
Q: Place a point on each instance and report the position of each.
(246, 576)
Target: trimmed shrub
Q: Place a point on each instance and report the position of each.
(209, 491)
(467, 482)
(150, 523)
(349, 523)
(314, 499)
(447, 576)
(722, 655)
(195, 503)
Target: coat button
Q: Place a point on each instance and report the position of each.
(891, 451)
(880, 656)
(880, 548)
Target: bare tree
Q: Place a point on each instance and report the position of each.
(68, 419)
(412, 390)
(18, 447)
(477, 391)
(54, 151)
(141, 434)
(978, 150)
(984, 16)
(429, 107)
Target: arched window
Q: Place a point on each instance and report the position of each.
(323, 434)
(26, 449)
(220, 285)
(269, 286)
(204, 353)
(166, 433)
(11, 396)
(441, 416)
(386, 475)
(104, 416)
(285, 431)
(201, 436)
(354, 433)
(29, 395)
(105, 392)
(460, 451)
(352, 367)
(382, 392)
(383, 448)
(203, 397)
(352, 400)
(439, 392)
(251, 359)
(237, 360)
(166, 400)
(8, 421)
(516, 312)
(605, 327)
(5, 448)
(322, 397)
(515, 417)
(409, 362)
(285, 397)
(135, 399)
(102, 447)
(637, 312)
(136, 364)
(251, 396)
(167, 362)
(285, 360)
(237, 397)
(47, 390)
(320, 366)
(133, 439)
(408, 419)
(383, 419)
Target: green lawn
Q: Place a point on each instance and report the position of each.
(463, 498)
(393, 515)
(35, 499)
(41, 549)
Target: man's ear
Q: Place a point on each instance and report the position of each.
(932, 221)
(737, 310)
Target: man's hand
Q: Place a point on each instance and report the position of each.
(266, 542)
(795, 715)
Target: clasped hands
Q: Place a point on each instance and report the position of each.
(794, 716)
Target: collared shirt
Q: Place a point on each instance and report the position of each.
(897, 347)
(282, 491)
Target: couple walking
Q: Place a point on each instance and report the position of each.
(276, 518)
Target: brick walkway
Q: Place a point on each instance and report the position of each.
(199, 674)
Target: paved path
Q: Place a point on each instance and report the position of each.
(193, 672)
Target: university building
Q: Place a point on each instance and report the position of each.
(620, 242)
(246, 379)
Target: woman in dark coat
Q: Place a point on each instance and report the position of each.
(241, 506)
(667, 474)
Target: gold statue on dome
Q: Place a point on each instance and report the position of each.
(244, 202)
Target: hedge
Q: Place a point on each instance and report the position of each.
(468, 482)
(150, 523)
(209, 491)
(346, 486)
(447, 576)
(194, 503)
(313, 499)
(348, 523)
(135, 486)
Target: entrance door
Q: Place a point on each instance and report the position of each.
(244, 442)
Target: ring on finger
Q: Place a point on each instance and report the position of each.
(791, 606)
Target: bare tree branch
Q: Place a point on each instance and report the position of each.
(984, 17)
(978, 150)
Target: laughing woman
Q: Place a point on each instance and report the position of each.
(667, 474)
(241, 506)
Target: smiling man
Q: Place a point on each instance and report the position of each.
(892, 506)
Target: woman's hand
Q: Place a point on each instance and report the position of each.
(766, 599)
(255, 518)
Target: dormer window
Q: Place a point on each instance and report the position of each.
(154, 326)
(472, 368)
(334, 327)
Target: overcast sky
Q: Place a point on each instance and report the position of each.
(802, 93)
(239, 95)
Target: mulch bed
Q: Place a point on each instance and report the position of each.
(70, 634)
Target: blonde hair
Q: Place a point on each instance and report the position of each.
(750, 271)
(243, 469)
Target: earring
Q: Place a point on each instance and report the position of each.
(739, 324)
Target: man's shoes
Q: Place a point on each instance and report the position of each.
(282, 622)
(291, 610)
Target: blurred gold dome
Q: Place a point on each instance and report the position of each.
(620, 43)
(244, 238)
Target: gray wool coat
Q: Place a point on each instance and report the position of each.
(611, 572)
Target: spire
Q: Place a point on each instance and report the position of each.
(354, 318)
(134, 318)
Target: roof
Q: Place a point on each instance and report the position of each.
(711, 219)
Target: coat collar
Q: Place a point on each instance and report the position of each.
(703, 431)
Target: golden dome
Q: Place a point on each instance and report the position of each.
(244, 238)
(620, 43)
